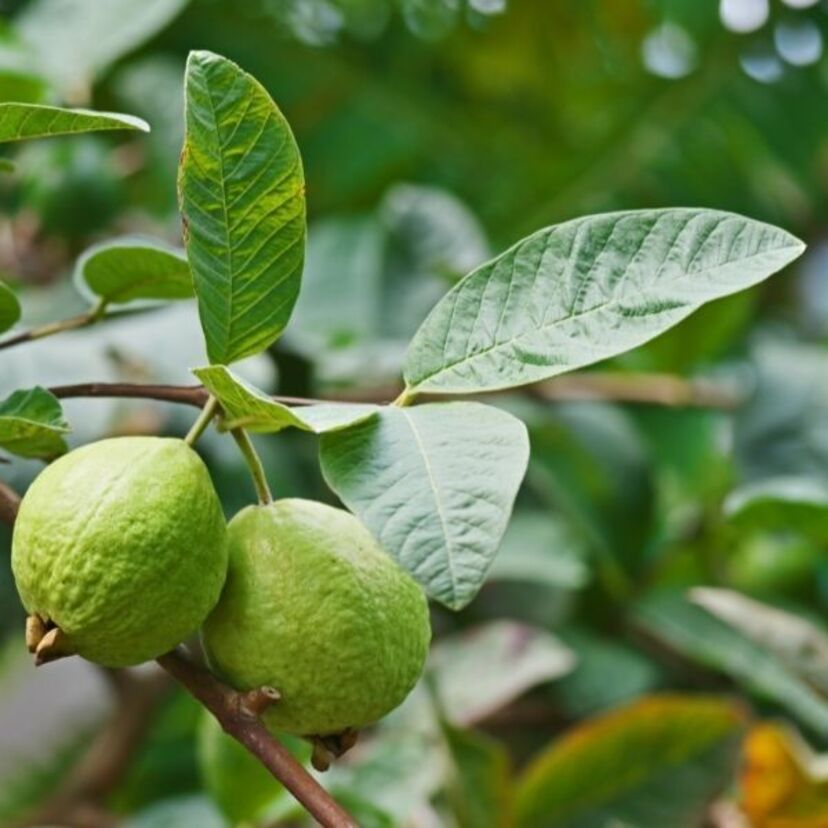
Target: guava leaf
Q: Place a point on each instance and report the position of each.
(241, 188)
(579, 292)
(247, 407)
(32, 424)
(657, 762)
(435, 484)
(9, 307)
(20, 121)
(130, 268)
(506, 658)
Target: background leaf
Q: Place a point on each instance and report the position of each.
(20, 121)
(506, 659)
(796, 641)
(32, 424)
(657, 762)
(435, 484)
(793, 504)
(576, 293)
(242, 196)
(128, 268)
(74, 41)
(706, 640)
(246, 407)
(9, 308)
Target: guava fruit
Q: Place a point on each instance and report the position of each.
(242, 788)
(315, 608)
(119, 551)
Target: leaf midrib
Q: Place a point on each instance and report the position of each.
(436, 493)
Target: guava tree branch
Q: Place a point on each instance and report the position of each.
(646, 389)
(238, 713)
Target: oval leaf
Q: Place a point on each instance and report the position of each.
(247, 407)
(19, 121)
(242, 196)
(127, 269)
(435, 484)
(32, 424)
(579, 292)
(657, 762)
(9, 308)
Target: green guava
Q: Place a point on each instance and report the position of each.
(120, 546)
(315, 608)
(242, 788)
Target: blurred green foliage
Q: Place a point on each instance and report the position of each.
(435, 132)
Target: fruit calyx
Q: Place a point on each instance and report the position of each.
(332, 746)
(45, 640)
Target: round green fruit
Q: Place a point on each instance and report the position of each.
(313, 607)
(121, 546)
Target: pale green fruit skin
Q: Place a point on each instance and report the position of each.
(314, 607)
(123, 545)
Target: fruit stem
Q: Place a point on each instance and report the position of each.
(202, 421)
(254, 463)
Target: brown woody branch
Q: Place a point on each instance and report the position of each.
(645, 389)
(238, 713)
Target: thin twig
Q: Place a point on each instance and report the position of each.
(254, 463)
(194, 395)
(228, 706)
(646, 389)
(83, 320)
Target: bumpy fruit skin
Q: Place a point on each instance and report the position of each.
(313, 607)
(123, 545)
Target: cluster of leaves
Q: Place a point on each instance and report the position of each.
(620, 514)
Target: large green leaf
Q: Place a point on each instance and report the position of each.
(246, 407)
(9, 307)
(32, 424)
(130, 268)
(576, 293)
(242, 195)
(655, 763)
(506, 659)
(435, 484)
(19, 121)
(699, 636)
(74, 41)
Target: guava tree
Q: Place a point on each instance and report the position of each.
(313, 619)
